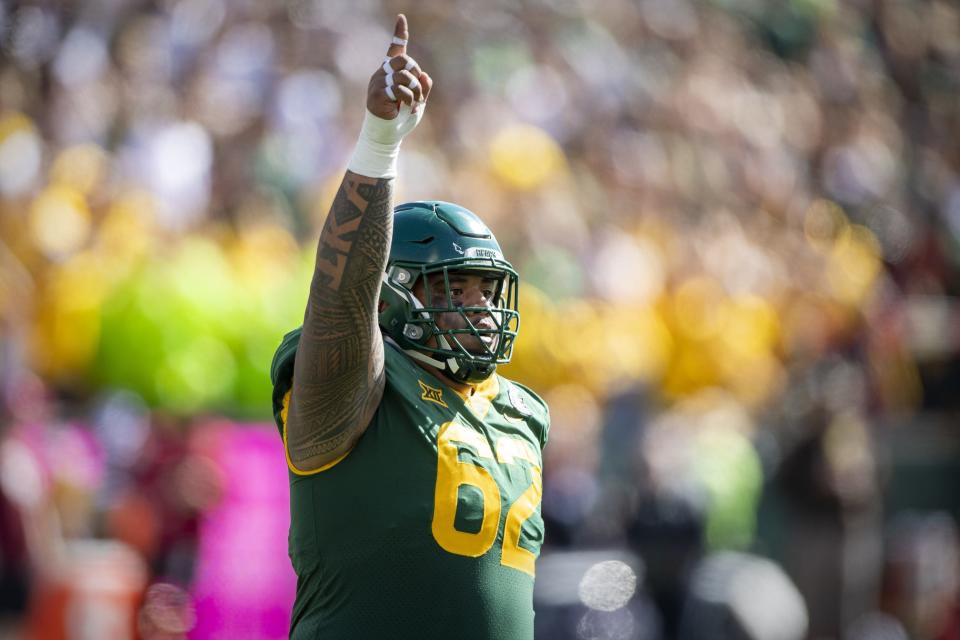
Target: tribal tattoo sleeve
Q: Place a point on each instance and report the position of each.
(338, 376)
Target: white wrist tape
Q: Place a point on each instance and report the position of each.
(378, 146)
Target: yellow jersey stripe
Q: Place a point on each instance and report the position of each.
(286, 451)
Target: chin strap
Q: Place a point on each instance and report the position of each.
(449, 365)
(425, 359)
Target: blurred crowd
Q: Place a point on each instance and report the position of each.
(737, 225)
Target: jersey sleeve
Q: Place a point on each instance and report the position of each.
(539, 410)
(281, 373)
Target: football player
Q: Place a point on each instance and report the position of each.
(414, 468)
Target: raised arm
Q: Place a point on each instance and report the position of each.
(338, 376)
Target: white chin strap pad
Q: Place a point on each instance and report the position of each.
(452, 363)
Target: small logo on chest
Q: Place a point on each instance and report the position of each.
(430, 394)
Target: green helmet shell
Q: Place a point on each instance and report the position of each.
(434, 237)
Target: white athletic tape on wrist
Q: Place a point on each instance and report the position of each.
(378, 146)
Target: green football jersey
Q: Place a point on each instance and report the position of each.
(429, 527)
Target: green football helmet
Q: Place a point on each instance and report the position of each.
(433, 237)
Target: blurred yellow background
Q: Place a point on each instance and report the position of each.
(737, 226)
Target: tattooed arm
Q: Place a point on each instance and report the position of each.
(339, 376)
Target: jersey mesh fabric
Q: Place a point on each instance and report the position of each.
(361, 538)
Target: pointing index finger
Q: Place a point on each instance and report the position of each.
(400, 33)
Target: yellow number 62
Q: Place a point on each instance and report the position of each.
(452, 473)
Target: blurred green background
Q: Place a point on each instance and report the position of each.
(737, 225)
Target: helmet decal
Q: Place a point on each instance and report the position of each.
(479, 252)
